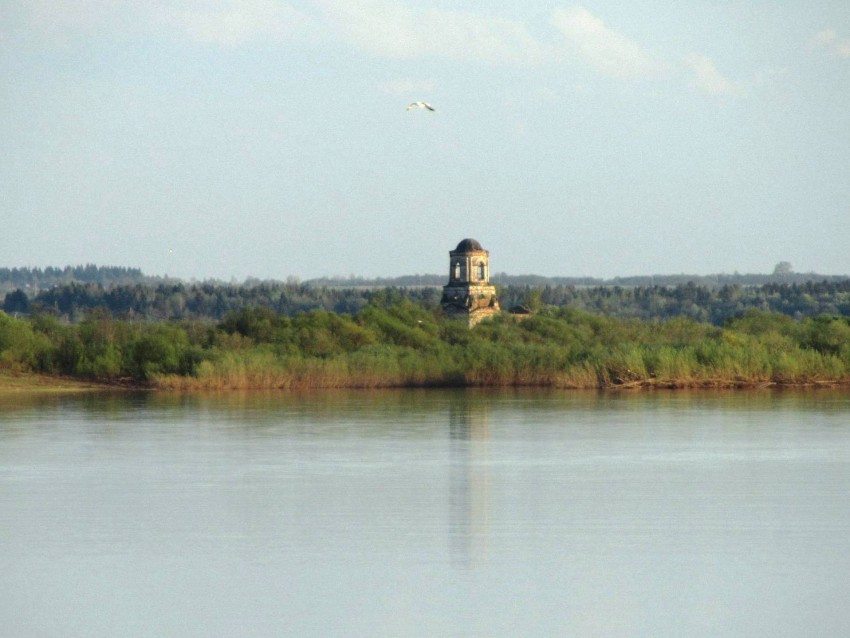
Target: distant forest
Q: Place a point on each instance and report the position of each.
(504, 279)
(72, 293)
(34, 280)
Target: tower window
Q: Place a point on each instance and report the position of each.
(457, 270)
(481, 270)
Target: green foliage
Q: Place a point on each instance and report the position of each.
(321, 333)
(101, 343)
(759, 322)
(161, 349)
(395, 341)
(262, 325)
(16, 301)
(404, 324)
(829, 335)
(17, 344)
(713, 300)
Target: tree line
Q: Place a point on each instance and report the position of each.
(212, 302)
(37, 279)
(198, 301)
(708, 304)
(34, 280)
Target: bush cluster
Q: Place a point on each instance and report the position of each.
(393, 341)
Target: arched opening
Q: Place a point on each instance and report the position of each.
(457, 270)
(481, 273)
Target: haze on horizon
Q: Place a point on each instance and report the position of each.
(269, 139)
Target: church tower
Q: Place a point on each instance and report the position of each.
(469, 295)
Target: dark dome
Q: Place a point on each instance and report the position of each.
(468, 245)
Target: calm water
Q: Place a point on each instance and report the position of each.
(426, 513)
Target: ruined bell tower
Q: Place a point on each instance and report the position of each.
(469, 294)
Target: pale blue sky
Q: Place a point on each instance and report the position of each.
(270, 139)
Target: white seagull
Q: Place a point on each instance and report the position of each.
(420, 105)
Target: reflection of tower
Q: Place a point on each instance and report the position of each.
(468, 294)
(469, 488)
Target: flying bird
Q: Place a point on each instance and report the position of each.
(420, 105)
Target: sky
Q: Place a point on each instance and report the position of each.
(231, 139)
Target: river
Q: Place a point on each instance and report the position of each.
(426, 513)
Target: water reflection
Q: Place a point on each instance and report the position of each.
(382, 405)
(469, 487)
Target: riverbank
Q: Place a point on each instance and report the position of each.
(191, 386)
(39, 383)
(11, 383)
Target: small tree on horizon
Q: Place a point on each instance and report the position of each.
(783, 268)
